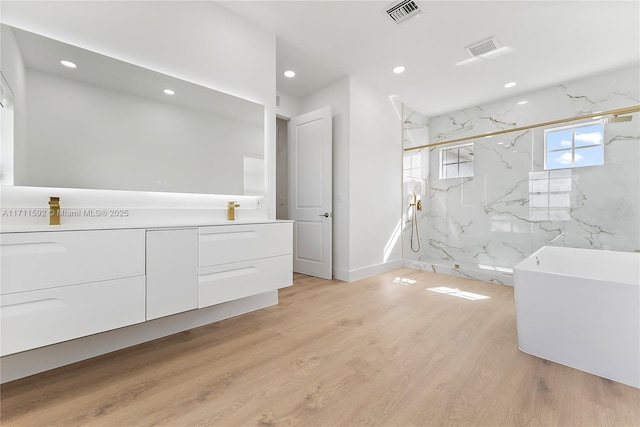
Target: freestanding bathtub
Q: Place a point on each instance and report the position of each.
(581, 308)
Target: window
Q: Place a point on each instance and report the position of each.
(413, 167)
(456, 162)
(415, 171)
(574, 146)
(550, 195)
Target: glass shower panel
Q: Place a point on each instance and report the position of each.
(594, 207)
(521, 193)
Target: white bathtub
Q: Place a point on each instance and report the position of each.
(581, 308)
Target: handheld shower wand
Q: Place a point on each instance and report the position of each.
(417, 206)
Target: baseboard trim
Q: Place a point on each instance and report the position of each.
(363, 273)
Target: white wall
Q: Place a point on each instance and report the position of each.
(375, 135)
(289, 107)
(201, 42)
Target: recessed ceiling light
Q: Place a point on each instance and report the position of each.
(399, 69)
(169, 92)
(68, 64)
(522, 102)
(289, 73)
(510, 84)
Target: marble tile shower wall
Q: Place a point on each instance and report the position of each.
(489, 222)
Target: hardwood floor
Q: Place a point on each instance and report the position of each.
(384, 351)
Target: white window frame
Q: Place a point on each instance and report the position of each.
(442, 163)
(573, 147)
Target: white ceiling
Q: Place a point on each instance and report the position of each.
(554, 42)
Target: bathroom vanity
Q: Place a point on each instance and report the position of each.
(130, 285)
(90, 286)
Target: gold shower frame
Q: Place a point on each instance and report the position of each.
(614, 113)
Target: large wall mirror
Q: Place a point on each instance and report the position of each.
(108, 124)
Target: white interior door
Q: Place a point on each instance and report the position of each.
(310, 192)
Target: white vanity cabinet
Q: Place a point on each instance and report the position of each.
(172, 271)
(32, 261)
(58, 286)
(242, 260)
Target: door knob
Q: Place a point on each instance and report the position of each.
(326, 215)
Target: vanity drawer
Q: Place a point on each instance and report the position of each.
(32, 261)
(241, 279)
(234, 243)
(38, 318)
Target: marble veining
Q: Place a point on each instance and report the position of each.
(511, 207)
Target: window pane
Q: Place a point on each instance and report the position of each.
(538, 185)
(538, 200)
(565, 173)
(415, 161)
(406, 162)
(558, 139)
(466, 169)
(589, 156)
(450, 156)
(456, 162)
(559, 159)
(411, 161)
(538, 175)
(589, 135)
(450, 171)
(560, 184)
(466, 153)
(559, 200)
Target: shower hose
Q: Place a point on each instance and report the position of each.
(414, 228)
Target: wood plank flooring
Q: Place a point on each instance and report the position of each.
(383, 351)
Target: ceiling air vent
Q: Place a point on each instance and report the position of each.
(483, 47)
(402, 10)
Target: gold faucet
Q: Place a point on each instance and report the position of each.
(54, 210)
(231, 210)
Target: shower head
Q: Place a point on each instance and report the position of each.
(616, 119)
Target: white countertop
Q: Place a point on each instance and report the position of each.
(115, 225)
